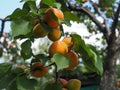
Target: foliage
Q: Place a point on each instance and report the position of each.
(15, 74)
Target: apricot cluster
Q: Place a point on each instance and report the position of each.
(52, 18)
(65, 47)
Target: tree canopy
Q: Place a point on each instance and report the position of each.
(35, 22)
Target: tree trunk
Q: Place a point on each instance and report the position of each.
(108, 81)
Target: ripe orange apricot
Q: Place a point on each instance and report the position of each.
(39, 31)
(55, 34)
(68, 41)
(58, 47)
(38, 70)
(50, 19)
(73, 57)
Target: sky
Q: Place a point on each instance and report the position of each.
(6, 8)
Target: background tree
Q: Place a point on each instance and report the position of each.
(100, 61)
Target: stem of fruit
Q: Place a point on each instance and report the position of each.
(56, 74)
(50, 64)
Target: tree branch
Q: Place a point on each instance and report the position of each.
(107, 29)
(114, 24)
(87, 12)
(2, 28)
(116, 16)
(3, 25)
(5, 19)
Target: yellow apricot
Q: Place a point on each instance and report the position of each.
(49, 19)
(55, 34)
(73, 84)
(73, 57)
(58, 47)
(68, 41)
(39, 31)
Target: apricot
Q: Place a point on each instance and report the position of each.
(118, 83)
(51, 14)
(63, 81)
(64, 89)
(84, 1)
(11, 44)
(27, 69)
(68, 41)
(73, 57)
(107, 8)
(38, 70)
(73, 84)
(55, 34)
(20, 66)
(58, 47)
(39, 31)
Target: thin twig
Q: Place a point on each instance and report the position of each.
(56, 73)
(87, 12)
(114, 24)
(107, 29)
(116, 16)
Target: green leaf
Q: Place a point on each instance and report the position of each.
(99, 66)
(80, 1)
(90, 58)
(18, 13)
(32, 6)
(18, 70)
(26, 7)
(58, 5)
(7, 80)
(49, 2)
(42, 57)
(4, 68)
(53, 86)
(23, 83)
(45, 26)
(21, 27)
(12, 86)
(26, 51)
(71, 16)
(98, 63)
(61, 61)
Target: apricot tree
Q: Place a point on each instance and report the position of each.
(42, 72)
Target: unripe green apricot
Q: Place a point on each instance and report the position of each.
(73, 84)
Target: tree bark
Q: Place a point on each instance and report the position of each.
(108, 80)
